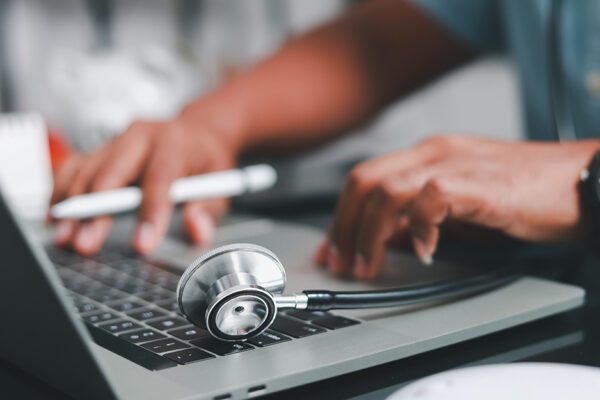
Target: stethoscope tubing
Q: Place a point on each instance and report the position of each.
(324, 300)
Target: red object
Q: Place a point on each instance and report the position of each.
(59, 147)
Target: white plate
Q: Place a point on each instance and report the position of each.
(516, 381)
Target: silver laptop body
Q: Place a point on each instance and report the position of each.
(47, 338)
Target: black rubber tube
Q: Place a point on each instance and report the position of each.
(323, 300)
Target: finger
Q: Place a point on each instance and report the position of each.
(91, 235)
(359, 184)
(84, 175)
(200, 218)
(386, 214)
(381, 218)
(68, 232)
(389, 201)
(320, 255)
(401, 237)
(122, 164)
(461, 197)
(65, 229)
(164, 166)
(64, 177)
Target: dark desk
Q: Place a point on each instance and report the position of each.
(572, 337)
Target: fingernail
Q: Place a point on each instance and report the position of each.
(64, 230)
(320, 256)
(361, 269)
(421, 251)
(85, 238)
(334, 260)
(426, 259)
(144, 237)
(204, 227)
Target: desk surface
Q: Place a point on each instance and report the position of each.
(572, 337)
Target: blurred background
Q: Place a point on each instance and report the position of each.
(88, 68)
(92, 66)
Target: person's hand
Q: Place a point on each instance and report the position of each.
(525, 190)
(153, 155)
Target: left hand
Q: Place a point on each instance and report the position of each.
(526, 190)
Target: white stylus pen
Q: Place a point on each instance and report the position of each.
(228, 183)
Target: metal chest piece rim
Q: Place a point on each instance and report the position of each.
(230, 291)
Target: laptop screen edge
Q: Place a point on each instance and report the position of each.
(61, 353)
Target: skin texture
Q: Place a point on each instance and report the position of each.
(525, 190)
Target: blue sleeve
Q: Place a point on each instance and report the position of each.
(474, 22)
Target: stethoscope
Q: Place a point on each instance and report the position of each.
(235, 292)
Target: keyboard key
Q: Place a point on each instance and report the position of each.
(308, 315)
(146, 272)
(104, 296)
(141, 335)
(131, 351)
(75, 297)
(268, 338)
(86, 267)
(65, 273)
(125, 283)
(162, 277)
(189, 333)
(162, 345)
(219, 347)
(125, 265)
(188, 356)
(94, 270)
(84, 307)
(169, 305)
(114, 279)
(168, 323)
(156, 295)
(170, 284)
(126, 305)
(62, 257)
(294, 328)
(107, 256)
(146, 314)
(335, 322)
(83, 287)
(101, 316)
(136, 287)
(119, 326)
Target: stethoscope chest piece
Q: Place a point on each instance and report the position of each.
(234, 292)
(230, 291)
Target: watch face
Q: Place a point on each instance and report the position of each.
(594, 170)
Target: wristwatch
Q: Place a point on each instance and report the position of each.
(590, 192)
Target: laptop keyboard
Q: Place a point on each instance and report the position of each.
(128, 304)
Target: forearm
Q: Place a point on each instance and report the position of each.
(333, 78)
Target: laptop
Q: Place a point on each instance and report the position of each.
(107, 326)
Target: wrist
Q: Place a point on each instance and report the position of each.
(590, 193)
(221, 112)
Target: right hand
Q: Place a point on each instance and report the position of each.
(152, 154)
